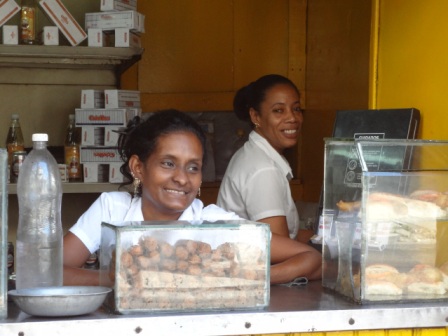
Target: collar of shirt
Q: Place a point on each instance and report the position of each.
(135, 210)
(264, 145)
(193, 212)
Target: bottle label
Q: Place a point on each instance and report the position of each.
(27, 24)
(72, 162)
(14, 147)
(17, 160)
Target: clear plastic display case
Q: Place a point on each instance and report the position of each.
(385, 208)
(182, 266)
(3, 233)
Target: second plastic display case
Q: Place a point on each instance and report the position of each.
(385, 212)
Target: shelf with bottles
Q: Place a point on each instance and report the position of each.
(76, 188)
(68, 57)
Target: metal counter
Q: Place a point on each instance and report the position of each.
(301, 309)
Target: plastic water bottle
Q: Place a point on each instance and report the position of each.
(39, 234)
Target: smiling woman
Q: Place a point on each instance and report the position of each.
(256, 182)
(163, 158)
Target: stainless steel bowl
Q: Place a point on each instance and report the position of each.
(59, 301)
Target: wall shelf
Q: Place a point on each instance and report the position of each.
(76, 188)
(67, 57)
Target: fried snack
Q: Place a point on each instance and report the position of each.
(195, 259)
(166, 250)
(190, 274)
(348, 206)
(194, 270)
(143, 262)
(149, 243)
(168, 264)
(204, 249)
(182, 266)
(181, 253)
(190, 245)
(136, 250)
(155, 257)
(227, 250)
(126, 259)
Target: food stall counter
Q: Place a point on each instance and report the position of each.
(303, 309)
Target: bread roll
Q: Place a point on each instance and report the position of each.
(427, 288)
(425, 195)
(380, 287)
(444, 270)
(379, 271)
(384, 206)
(426, 279)
(425, 273)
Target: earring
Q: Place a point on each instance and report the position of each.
(199, 192)
(257, 125)
(136, 183)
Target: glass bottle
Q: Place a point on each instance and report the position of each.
(14, 139)
(72, 150)
(39, 232)
(28, 22)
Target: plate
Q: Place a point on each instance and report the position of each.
(59, 301)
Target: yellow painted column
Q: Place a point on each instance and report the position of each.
(411, 60)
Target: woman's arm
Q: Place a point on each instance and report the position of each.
(278, 225)
(75, 255)
(291, 259)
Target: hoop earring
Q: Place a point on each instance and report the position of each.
(199, 192)
(136, 183)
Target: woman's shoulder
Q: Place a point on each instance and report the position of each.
(213, 212)
(116, 195)
(251, 157)
(115, 198)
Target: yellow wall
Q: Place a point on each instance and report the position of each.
(412, 61)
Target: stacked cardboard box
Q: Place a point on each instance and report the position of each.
(118, 19)
(101, 115)
(8, 9)
(62, 18)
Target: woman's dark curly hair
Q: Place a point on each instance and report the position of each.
(140, 137)
(253, 94)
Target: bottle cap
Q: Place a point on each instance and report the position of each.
(40, 137)
(14, 116)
